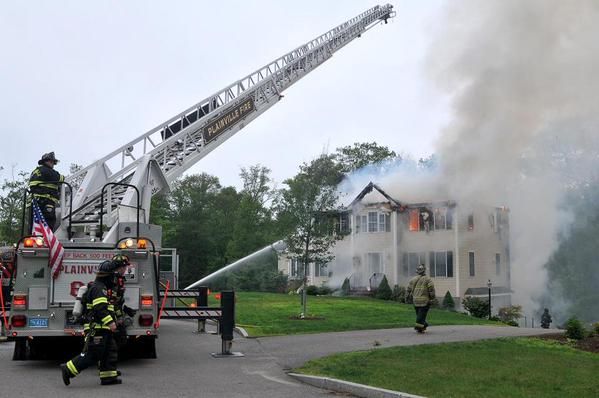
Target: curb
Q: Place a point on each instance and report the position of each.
(242, 332)
(356, 389)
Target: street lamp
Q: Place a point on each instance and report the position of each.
(489, 284)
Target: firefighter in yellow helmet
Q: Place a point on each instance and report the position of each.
(421, 290)
(44, 185)
(100, 324)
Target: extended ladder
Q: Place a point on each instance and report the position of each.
(151, 162)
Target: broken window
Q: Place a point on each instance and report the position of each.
(471, 262)
(441, 264)
(471, 222)
(414, 220)
(426, 219)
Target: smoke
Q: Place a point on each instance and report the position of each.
(522, 77)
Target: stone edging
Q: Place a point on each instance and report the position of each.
(356, 389)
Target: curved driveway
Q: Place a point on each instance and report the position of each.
(185, 367)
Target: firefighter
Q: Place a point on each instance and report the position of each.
(121, 263)
(100, 346)
(45, 188)
(421, 290)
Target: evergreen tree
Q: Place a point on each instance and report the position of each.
(448, 302)
(384, 290)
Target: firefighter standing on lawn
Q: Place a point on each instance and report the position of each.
(422, 291)
(100, 324)
(45, 188)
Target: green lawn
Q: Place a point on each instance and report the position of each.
(266, 314)
(522, 367)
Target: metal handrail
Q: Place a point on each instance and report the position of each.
(102, 205)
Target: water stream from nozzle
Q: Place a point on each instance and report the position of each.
(277, 247)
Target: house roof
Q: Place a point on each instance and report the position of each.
(371, 186)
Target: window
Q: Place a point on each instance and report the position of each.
(471, 222)
(441, 264)
(411, 261)
(375, 263)
(471, 262)
(344, 223)
(443, 218)
(320, 269)
(497, 263)
(414, 220)
(372, 221)
(295, 268)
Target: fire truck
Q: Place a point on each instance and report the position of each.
(105, 206)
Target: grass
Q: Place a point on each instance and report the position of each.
(267, 314)
(521, 367)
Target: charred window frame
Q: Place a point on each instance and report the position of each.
(441, 264)
(470, 222)
(471, 263)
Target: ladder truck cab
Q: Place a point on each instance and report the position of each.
(105, 207)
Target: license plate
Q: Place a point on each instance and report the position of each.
(38, 322)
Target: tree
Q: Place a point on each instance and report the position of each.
(510, 315)
(11, 207)
(448, 302)
(305, 210)
(383, 292)
(358, 155)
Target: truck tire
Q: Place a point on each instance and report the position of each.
(146, 348)
(21, 352)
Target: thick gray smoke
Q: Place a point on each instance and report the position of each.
(523, 79)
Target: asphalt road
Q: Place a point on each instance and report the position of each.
(185, 367)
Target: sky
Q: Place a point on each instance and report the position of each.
(83, 78)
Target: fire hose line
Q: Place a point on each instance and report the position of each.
(157, 323)
(6, 326)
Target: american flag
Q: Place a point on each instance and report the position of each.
(41, 228)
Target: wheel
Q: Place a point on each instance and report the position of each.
(21, 352)
(146, 347)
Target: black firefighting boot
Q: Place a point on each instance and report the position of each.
(118, 373)
(110, 382)
(66, 376)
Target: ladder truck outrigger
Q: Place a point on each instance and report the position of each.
(105, 212)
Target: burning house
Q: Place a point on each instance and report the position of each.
(462, 246)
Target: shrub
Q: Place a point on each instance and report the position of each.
(477, 307)
(324, 290)
(574, 329)
(448, 302)
(399, 294)
(345, 287)
(596, 328)
(384, 290)
(510, 314)
(312, 290)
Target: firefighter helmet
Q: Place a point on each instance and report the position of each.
(120, 260)
(48, 157)
(106, 268)
(420, 270)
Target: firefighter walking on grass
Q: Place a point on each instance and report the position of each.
(100, 324)
(422, 292)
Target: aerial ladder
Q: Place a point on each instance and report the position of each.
(153, 161)
(106, 205)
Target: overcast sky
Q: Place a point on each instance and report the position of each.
(83, 78)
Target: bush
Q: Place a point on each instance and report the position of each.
(596, 328)
(399, 294)
(324, 290)
(478, 308)
(345, 287)
(510, 314)
(312, 290)
(384, 290)
(448, 302)
(574, 329)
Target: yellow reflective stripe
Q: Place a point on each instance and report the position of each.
(110, 307)
(72, 368)
(99, 300)
(108, 373)
(61, 179)
(107, 320)
(89, 306)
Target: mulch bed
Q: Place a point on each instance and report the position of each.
(590, 344)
